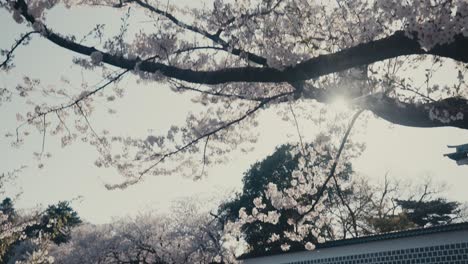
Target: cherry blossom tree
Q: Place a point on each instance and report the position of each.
(12, 226)
(281, 169)
(187, 235)
(26, 235)
(308, 206)
(239, 57)
(304, 199)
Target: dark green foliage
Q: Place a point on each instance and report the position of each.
(433, 212)
(56, 222)
(6, 207)
(417, 214)
(275, 168)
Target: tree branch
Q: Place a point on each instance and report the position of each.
(447, 112)
(396, 45)
(79, 99)
(392, 46)
(346, 204)
(212, 132)
(334, 165)
(213, 37)
(9, 54)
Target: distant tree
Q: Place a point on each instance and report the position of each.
(433, 212)
(391, 206)
(187, 235)
(390, 223)
(26, 238)
(6, 207)
(265, 211)
(12, 229)
(56, 222)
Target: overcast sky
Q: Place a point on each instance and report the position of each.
(407, 153)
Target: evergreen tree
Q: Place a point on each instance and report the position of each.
(433, 212)
(56, 222)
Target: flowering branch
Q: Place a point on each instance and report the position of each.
(9, 53)
(213, 37)
(334, 165)
(213, 132)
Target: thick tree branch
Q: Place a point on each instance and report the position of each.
(392, 46)
(395, 45)
(448, 112)
(398, 44)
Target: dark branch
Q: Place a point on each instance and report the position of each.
(221, 94)
(251, 15)
(79, 99)
(204, 156)
(392, 46)
(448, 112)
(346, 204)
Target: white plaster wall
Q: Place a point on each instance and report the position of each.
(370, 247)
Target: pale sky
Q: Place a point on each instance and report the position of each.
(403, 152)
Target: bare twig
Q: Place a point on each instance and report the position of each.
(87, 122)
(78, 100)
(297, 127)
(63, 123)
(204, 156)
(43, 135)
(346, 204)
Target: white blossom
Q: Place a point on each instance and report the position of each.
(96, 57)
(258, 203)
(285, 247)
(309, 246)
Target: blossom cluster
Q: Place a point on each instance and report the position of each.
(281, 33)
(306, 195)
(434, 22)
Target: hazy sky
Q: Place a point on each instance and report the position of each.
(403, 152)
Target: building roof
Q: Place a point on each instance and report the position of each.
(460, 155)
(372, 238)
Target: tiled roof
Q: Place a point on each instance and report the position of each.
(373, 238)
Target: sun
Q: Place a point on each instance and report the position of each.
(340, 104)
